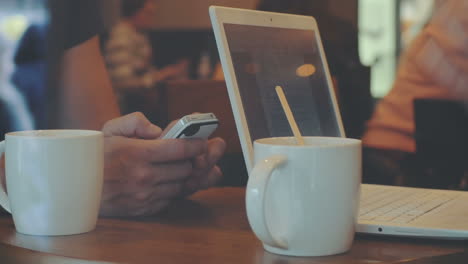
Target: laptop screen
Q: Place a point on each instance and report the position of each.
(264, 57)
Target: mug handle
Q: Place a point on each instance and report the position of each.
(4, 201)
(255, 200)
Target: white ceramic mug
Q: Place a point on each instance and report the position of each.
(54, 180)
(303, 200)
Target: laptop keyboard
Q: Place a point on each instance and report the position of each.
(399, 205)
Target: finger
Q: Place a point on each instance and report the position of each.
(134, 125)
(203, 180)
(138, 202)
(154, 174)
(169, 150)
(156, 151)
(151, 195)
(200, 162)
(152, 209)
(158, 207)
(216, 149)
(126, 164)
(204, 177)
(168, 191)
(149, 202)
(211, 179)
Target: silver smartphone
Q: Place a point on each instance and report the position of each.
(193, 126)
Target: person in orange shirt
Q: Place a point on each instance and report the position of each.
(434, 66)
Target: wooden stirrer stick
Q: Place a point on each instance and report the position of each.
(289, 116)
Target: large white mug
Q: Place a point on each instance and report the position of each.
(54, 180)
(302, 200)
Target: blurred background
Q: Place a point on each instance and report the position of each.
(363, 40)
(181, 29)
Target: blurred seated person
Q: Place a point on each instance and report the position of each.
(339, 39)
(435, 65)
(128, 52)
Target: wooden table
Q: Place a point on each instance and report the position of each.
(211, 227)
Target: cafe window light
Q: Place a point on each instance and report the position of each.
(13, 27)
(386, 27)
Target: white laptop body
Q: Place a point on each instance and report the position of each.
(259, 50)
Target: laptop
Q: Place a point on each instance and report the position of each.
(260, 50)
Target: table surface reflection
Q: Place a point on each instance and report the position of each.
(210, 227)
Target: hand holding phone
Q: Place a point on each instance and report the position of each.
(193, 126)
